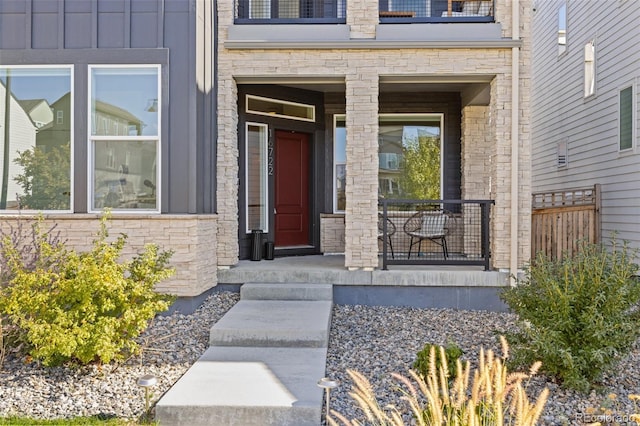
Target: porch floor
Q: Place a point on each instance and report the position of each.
(330, 269)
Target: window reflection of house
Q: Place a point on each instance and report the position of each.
(21, 136)
(56, 133)
(115, 121)
(390, 152)
(122, 167)
(38, 110)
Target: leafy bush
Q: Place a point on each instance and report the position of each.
(82, 307)
(25, 236)
(423, 359)
(578, 315)
(46, 178)
(496, 397)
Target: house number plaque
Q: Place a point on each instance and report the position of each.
(270, 159)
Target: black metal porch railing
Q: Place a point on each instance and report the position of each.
(435, 232)
(290, 11)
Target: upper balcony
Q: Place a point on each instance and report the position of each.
(390, 11)
(290, 11)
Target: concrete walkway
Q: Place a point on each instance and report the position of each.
(265, 358)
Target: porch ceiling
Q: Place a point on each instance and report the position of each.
(473, 89)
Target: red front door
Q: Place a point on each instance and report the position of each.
(292, 189)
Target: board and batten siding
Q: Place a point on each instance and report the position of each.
(177, 34)
(589, 126)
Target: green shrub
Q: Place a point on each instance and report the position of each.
(577, 315)
(423, 359)
(82, 307)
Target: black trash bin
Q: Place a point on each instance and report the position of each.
(256, 244)
(269, 249)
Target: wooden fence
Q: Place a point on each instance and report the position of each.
(561, 219)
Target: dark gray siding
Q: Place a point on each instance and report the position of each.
(165, 32)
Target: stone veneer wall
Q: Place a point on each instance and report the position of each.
(331, 233)
(477, 154)
(361, 188)
(361, 70)
(191, 237)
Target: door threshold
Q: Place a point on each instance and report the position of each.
(301, 246)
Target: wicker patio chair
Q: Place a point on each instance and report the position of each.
(391, 229)
(432, 225)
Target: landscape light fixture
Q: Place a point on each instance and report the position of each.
(147, 381)
(327, 384)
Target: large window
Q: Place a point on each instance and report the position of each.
(36, 138)
(409, 157)
(124, 106)
(256, 176)
(626, 118)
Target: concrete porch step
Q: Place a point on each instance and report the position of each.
(264, 363)
(286, 291)
(274, 323)
(249, 387)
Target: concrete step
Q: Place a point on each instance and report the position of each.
(286, 291)
(248, 386)
(264, 363)
(274, 323)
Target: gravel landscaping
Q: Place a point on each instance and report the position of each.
(373, 340)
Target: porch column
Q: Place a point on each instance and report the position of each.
(362, 18)
(227, 172)
(361, 213)
(478, 152)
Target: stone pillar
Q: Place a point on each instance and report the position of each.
(227, 172)
(362, 18)
(477, 154)
(500, 121)
(361, 215)
(477, 151)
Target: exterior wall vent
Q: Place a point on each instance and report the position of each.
(563, 158)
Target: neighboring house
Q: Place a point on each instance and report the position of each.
(291, 118)
(130, 84)
(17, 134)
(342, 86)
(585, 108)
(39, 111)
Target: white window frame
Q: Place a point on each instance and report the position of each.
(562, 10)
(71, 134)
(93, 138)
(265, 175)
(281, 102)
(634, 123)
(590, 68)
(336, 118)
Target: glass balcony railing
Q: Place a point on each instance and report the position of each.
(290, 11)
